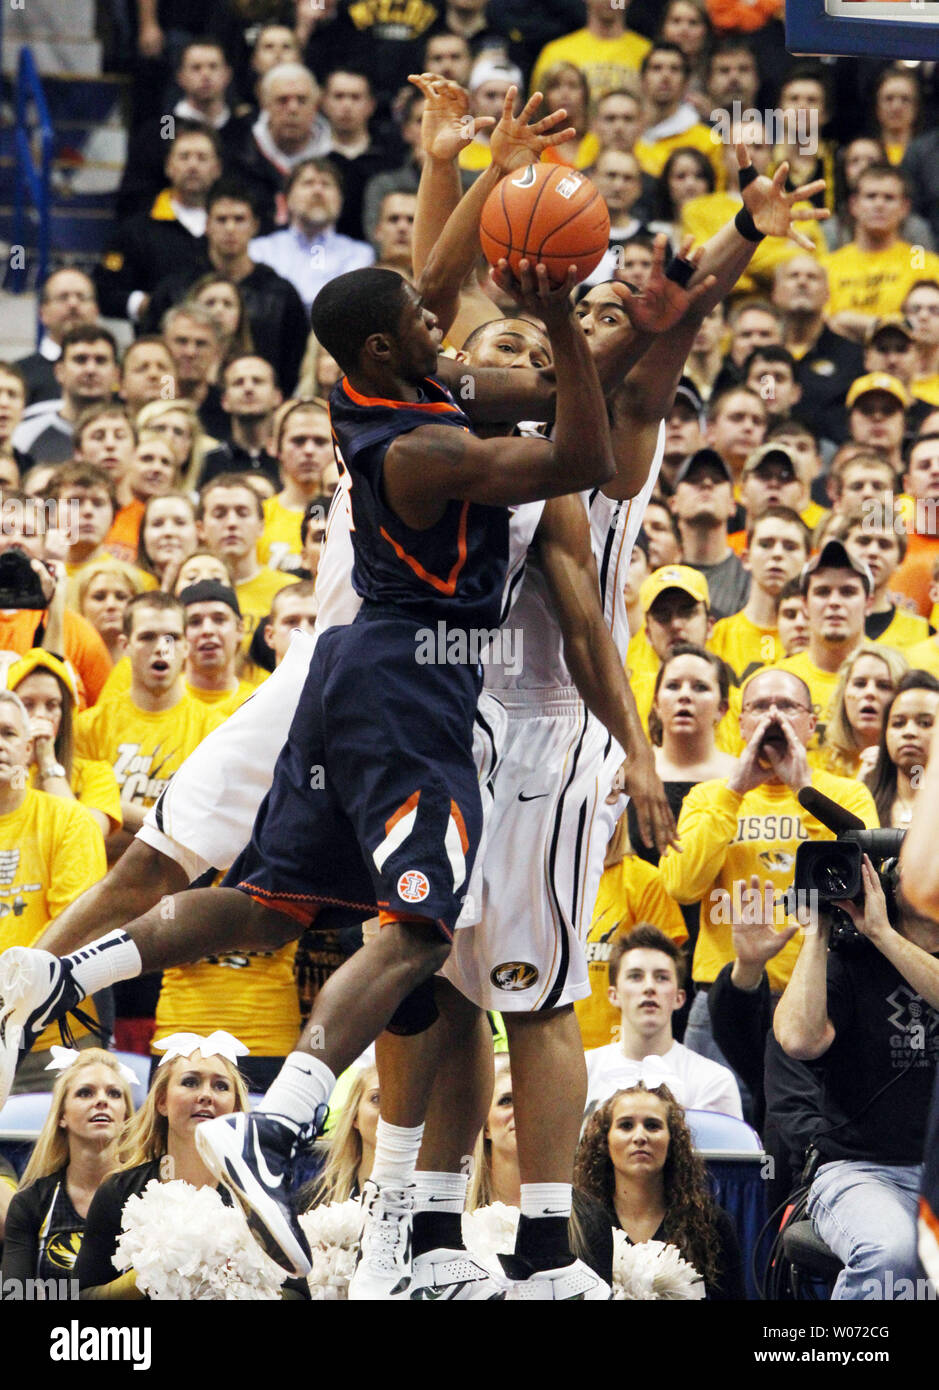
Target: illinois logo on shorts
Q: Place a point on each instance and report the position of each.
(413, 886)
(514, 975)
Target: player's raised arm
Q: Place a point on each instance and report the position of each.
(433, 464)
(446, 230)
(563, 541)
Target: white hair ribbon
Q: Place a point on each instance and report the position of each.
(218, 1044)
(63, 1057)
(653, 1072)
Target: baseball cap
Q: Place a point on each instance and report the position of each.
(494, 69)
(208, 590)
(769, 451)
(703, 456)
(877, 381)
(896, 321)
(688, 394)
(834, 555)
(683, 577)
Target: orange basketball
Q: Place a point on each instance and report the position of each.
(549, 213)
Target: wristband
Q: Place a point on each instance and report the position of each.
(680, 271)
(746, 176)
(747, 227)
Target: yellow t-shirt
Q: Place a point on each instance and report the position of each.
(641, 659)
(630, 892)
(927, 389)
(255, 597)
(51, 851)
(475, 156)
(725, 838)
(744, 645)
(94, 786)
(281, 535)
(604, 62)
(904, 630)
(118, 681)
(924, 656)
(813, 515)
(252, 995)
(876, 282)
(653, 156)
(144, 748)
(702, 217)
(224, 702)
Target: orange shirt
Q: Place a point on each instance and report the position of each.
(914, 576)
(124, 536)
(84, 650)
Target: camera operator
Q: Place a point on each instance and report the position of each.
(870, 1010)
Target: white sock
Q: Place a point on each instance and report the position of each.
(302, 1085)
(440, 1192)
(396, 1151)
(546, 1199)
(104, 962)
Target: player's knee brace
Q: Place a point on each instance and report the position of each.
(416, 1013)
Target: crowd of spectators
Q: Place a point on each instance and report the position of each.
(170, 500)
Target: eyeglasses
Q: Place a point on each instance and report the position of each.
(786, 707)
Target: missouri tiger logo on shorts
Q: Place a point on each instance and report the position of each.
(514, 975)
(413, 886)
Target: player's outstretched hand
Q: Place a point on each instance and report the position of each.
(664, 299)
(772, 208)
(534, 292)
(638, 778)
(446, 125)
(515, 142)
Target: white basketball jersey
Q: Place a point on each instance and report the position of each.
(613, 530)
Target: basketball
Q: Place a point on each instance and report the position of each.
(548, 213)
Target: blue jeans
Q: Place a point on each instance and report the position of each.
(866, 1214)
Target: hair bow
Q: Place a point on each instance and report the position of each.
(653, 1072)
(217, 1044)
(63, 1057)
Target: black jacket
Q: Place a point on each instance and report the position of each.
(279, 323)
(39, 372)
(145, 250)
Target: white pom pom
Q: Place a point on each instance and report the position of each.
(651, 1271)
(490, 1231)
(333, 1230)
(184, 1243)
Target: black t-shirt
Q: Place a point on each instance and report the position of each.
(43, 1232)
(878, 1073)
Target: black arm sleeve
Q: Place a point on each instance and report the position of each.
(94, 1265)
(729, 1285)
(21, 1241)
(592, 1235)
(740, 1022)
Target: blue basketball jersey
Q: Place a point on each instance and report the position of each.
(455, 570)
